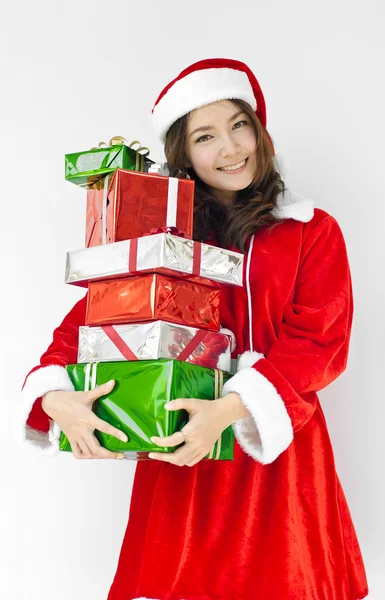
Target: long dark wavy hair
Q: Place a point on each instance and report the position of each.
(251, 210)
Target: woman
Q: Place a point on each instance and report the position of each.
(273, 524)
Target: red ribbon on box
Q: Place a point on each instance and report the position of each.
(133, 255)
(119, 342)
(128, 354)
(193, 344)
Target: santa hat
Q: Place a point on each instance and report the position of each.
(202, 83)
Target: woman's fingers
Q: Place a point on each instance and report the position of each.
(105, 427)
(84, 448)
(181, 457)
(88, 449)
(193, 460)
(101, 390)
(180, 461)
(97, 450)
(76, 450)
(172, 440)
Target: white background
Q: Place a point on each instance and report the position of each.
(77, 72)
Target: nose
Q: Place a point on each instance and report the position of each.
(229, 147)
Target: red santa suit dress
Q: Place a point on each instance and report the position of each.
(273, 524)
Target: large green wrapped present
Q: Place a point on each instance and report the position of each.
(89, 167)
(136, 403)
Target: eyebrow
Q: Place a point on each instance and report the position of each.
(208, 127)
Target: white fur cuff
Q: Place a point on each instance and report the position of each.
(248, 359)
(231, 335)
(39, 382)
(268, 431)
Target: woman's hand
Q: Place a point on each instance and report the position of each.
(208, 419)
(72, 411)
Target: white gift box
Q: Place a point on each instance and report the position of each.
(158, 339)
(162, 253)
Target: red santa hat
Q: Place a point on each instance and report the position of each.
(202, 83)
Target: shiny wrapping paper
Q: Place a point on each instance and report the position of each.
(150, 298)
(150, 341)
(136, 403)
(89, 167)
(161, 253)
(130, 204)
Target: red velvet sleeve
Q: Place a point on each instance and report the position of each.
(279, 389)
(313, 343)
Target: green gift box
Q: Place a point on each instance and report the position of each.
(89, 167)
(136, 403)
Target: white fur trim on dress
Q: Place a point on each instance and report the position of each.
(197, 89)
(38, 383)
(268, 431)
(291, 205)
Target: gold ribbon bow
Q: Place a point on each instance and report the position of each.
(119, 140)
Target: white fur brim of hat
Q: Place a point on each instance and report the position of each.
(199, 89)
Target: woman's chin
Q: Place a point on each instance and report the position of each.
(236, 184)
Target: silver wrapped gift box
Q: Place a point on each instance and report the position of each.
(162, 252)
(159, 339)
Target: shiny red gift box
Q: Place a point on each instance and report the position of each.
(128, 204)
(152, 297)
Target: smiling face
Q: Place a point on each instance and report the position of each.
(220, 135)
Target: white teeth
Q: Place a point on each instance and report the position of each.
(238, 166)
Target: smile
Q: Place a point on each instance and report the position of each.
(236, 167)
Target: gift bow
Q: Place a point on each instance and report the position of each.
(167, 229)
(119, 140)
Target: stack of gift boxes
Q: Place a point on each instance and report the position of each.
(152, 316)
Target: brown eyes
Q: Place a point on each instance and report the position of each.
(237, 123)
(205, 136)
(201, 138)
